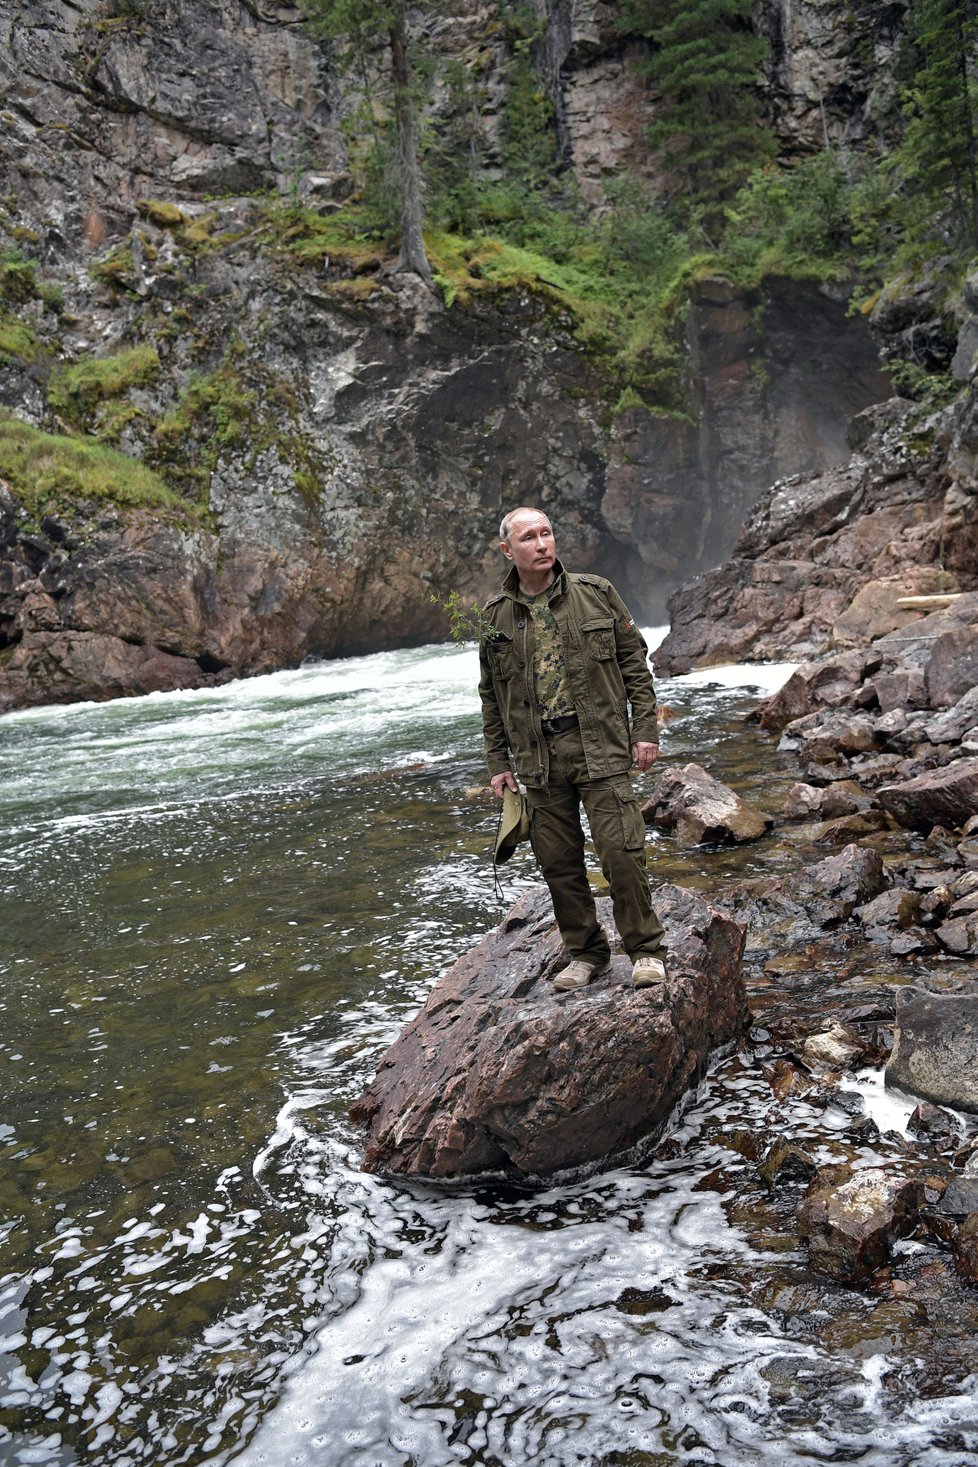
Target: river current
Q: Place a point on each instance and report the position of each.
(219, 908)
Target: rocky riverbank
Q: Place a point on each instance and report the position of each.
(856, 961)
(884, 739)
(823, 560)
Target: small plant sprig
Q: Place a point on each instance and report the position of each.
(465, 623)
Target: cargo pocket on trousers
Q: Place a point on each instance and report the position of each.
(632, 820)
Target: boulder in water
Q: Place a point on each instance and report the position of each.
(935, 1047)
(699, 808)
(851, 1226)
(501, 1073)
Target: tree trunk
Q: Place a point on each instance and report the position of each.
(413, 255)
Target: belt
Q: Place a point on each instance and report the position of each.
(560, 725)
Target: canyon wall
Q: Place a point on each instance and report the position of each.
(386, 429)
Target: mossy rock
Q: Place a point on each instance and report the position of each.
(46, 470)
(163, 214)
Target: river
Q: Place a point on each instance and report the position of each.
(219, 908)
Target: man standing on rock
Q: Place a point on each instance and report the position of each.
(568, 706)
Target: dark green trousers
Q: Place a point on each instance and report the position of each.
(618, 835)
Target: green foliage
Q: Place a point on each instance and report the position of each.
(792, 222)
(465, 623)
(705, 65)
(938, 156)
(47, 469)
(17, 341)
(931, 389)
(19, 282)
(529, 142)
(75, 390)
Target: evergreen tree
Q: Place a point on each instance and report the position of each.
(938, 153)
(705, 64)
(366, 22)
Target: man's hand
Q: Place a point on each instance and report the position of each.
(644, 755)
(500, 782)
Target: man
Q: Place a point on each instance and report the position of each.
(568, 707)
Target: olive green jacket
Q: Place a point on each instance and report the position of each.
(607, 668)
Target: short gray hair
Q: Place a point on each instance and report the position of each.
(504, 524)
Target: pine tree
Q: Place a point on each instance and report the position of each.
(364, 22)
(705, 64)
(939, 152)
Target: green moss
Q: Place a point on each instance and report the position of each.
(75, 390)
(18, 279)
(115, 269)
(164, 215)
(17, 341)
(48, 469)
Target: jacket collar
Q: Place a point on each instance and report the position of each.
(511, 585)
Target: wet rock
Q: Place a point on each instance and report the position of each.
(933, 1123)
(499, 1072)
(830, 734)
(851, 1226)
(960, 934)
(786, 1079)
(835, 887)
(960, 1197)
(785, 1162)
(794, 909)
(946, 797)
(849, 828)
(834, 1048)
(935, 1048)
(826, 802)
(965, 1246)
(700, 809)
(897, 907)
(828, 683)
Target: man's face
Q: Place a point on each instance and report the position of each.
(531, 545)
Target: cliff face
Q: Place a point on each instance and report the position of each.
(385, 430)
(823, 560)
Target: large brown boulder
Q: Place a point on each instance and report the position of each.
(946, 797)
(501, 1073)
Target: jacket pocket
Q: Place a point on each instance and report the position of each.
(502, 657)
(599, 638)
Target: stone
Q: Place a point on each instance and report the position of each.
(849, 828)
(965, 1247)
(874, 610)
(829, 734)
(501, 1073)
(851, 1226)
(947, 797)
(826, 802)
(834, 1048)
(700, 809)
(896, 908)
(960, 935)
(959, 1198)
(933, 1123)
(784, 1162)
(935, 1047)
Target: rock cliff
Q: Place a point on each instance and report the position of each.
(341, 441)
(823, 560)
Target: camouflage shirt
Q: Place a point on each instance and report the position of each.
(550, 680)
